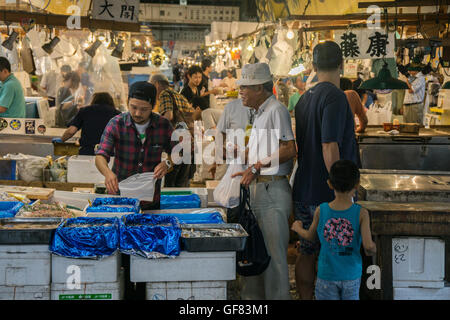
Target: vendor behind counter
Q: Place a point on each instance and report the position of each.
(92, 120)
(12, 100)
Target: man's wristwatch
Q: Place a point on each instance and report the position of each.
(254, 170)
(168, 163)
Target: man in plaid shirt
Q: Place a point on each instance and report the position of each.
(174, 107)
(136, 139)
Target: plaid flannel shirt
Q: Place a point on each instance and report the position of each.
(166, 102)
(121, 140)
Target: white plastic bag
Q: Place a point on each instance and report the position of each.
(29, 168)
(227, 192)
(377, 115)
(140, 186)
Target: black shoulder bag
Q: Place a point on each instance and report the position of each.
(254, 259)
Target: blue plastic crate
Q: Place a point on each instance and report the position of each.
(105, 205)
(195, 218)
(191, 201)
(85, 237)
(144, 234)
(8, 209)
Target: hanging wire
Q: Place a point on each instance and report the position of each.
(39, 9)
(306, 7)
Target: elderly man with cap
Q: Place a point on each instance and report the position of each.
(270, 153)
(174, 107)
(137, 140)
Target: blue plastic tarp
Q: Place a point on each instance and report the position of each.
(146, 234)
(195, 218)
(8, 209)
(99, 238)
(191, 201)
(107, 205)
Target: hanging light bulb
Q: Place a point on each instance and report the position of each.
(222, 51)
(85, 45)
(101, 38)
(147, 43)
(250, 47)
(137, 43)
(290, 35)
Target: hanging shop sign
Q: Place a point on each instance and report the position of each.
(117, 10)
(365, 43)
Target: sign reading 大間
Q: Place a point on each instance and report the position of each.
(365, 43)
(117, 10)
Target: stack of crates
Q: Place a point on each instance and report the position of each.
(25, 272)
(418, 269)
(87, 279)
(190, 276)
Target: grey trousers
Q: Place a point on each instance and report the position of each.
(413, 113)
(271, 203)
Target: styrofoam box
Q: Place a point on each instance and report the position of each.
(188, 266)
(24, 265)
(91, 270)
(422, 293)
(418, 260)
(201, 192)
(25, 293)
(82, 169)
(188, 290)
(90, 291)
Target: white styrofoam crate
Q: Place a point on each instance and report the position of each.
(25, 293)
(24, 265)
(418, 260)
(201, 192)
(90, 291)
(187, 290)
(188, 266)
(422, 293)
(91, 270)
(82, 169)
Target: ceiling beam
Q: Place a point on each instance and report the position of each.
(364, 16)
(61, 21)
(399, 4)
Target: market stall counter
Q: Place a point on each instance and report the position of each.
(410, 216)
(427, 150)
(413, 249)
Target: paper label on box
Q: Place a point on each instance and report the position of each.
(98, 296)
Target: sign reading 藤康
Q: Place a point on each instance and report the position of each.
(117, 10)
(365, 43)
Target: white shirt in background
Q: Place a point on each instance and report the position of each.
(235, 116)
(230, 83)
(418, 86)
(51, 82)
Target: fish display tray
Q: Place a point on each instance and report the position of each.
(31, 235)
(235, 242)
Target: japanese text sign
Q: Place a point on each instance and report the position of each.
(365, 43)
(117, 10)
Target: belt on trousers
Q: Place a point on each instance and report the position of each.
(410, 104)
(260, 179)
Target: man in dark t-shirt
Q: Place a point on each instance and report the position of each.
(325, 133)
(92, 120)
